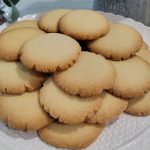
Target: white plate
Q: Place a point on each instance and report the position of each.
(117, 134)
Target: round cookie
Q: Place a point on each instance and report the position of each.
(22, 24)
(50, 52)
(121, 42)
(49, 21)
(144, 47)
(132, 78)
(139, 106)
(144, 53)
(112, 107)
(89, 76)
(67, 108)
(23, 111)
(75, 136)
(84, 24)
(15, 78)
(11, 42)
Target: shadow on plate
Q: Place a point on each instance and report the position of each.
(16, 133)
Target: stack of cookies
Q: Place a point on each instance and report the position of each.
(70, 73)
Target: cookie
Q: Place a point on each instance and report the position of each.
(23, 111)
(11, 42)
(50, 52)
(75, 136)
(15, 78)
(132, 78)
(144, 53)
(144, 47)
(67, 108)
(89, 76)
(84, 24)
(49, 21)
(121, 42)
(139, 106)
(22, 24)
(112, 107)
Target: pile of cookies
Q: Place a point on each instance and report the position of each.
(70, 73)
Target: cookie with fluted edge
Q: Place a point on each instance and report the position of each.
(49, 21)
(23, 111)
(21, 24)
(65, 107)
(121, 42)
(50, 52)
(84, 24)
(139, 106)
(11, 42)
(74, 136)
(89, 76)
(111, 108)
(144, 53)
(132, 78)
(144, 47)
(15, 78)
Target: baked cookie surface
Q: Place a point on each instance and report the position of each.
(65, 107)
(144, 53)
(11, 42)
(139, 106)
(15, 78)
(23, 112)
(50, 52)
(22, 24)
(49, 21)
(132, 78)
(89, 76)
(75, 136)
(144, 47)
(121, 42)
(111, 108)
(84, 24)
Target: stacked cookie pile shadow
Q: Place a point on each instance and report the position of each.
(68, 91)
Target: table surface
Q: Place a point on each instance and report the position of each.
(33, 6)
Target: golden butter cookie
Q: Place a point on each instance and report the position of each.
(23, 111)
(74, 136)
(139, 106)
(144, 53)
(11, 42)
(15, 78)
(67, 108)
(121, 42)
(21, 24)
(49, 21)
(144, 47)
(111, 108)
(89, 76)
(50, 52)
(84, 24)
(132, 78)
